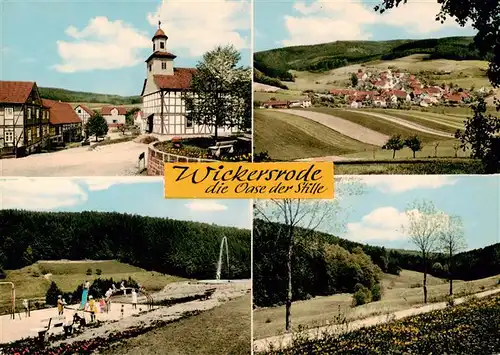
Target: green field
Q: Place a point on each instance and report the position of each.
(290, 137)
(284, 95)
(432, 166)
(222, 330)
(399, 292)
(34, 280)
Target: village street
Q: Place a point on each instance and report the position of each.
(107, 160)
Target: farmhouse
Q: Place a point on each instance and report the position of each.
(276, 104)
(24, 121)
(65, 125)
(114, 115)
(84, 113)
(163, 94)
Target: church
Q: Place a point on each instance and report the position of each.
(163, 93)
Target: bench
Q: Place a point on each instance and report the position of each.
(53, 322)
(208, 293)
(220, 146)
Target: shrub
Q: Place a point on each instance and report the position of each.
(98, 272)
(52, 294)
(89, 271)
(361, 297)
(376, 292)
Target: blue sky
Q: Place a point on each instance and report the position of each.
(142, 196)
(281, 23)
(375, 215)
(101, 46)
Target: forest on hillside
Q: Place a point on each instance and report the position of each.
(277, 63)
(181, 248)
(324, 264)
(83, 97)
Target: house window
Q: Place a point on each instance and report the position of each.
(162, 45)
(37, 113)
(189, 119)
(163, 65)
(154, 47)
(9, 136)
(9, 112)
(149, 67)
(79, 110)
(115, 121)
(29, 113)
(29, 135)
(38, 133)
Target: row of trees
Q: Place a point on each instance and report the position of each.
(396, 143)
(186, 249)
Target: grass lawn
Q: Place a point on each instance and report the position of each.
(34, 280)
(399, 292)
(432, 167)
(222, 330)
(376, 124)
(290, 137)
(279, 95)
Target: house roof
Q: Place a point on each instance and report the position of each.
(275, 103)
(15, 92)
(106, 110)
(61, 112)
(160, 54)
(86, 109)
(160, 34)
(181, 80)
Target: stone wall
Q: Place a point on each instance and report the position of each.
(157, 158)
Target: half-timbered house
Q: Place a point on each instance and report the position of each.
(24, 121)
(164, 91)
(114, 115)
(65, 125)
(84, 113)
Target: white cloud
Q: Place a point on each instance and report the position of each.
(51, 193)
(103, 44)
(32, 194)
(199, 26)
(206, 206)
(384, 223)
(395, 184)
(322, 22)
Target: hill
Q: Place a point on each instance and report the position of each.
(312, 270)
(277, 63)
(180, 248)
(87, 97)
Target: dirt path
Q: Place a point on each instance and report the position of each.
(332, 158)
(342, 126)
(405, 123)
(285, 340)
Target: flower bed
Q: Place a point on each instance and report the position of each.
(470, 328)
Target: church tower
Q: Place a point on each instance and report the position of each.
(160, 62)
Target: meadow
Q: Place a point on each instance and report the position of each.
(399, 293)
(33, 281)
(469, 328)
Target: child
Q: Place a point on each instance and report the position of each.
(26, 308)
(60, 305)
(92, 308)
(134, 299)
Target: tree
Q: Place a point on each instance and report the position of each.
(484, 16)
(436, 145)
(414, 143)
(480, 130)
(452, 241)
(97, 125)
(354, 80)
(220, 91)
(129, 116)
(423, 228)
(294, 213)
(52, 294)
(394, 143)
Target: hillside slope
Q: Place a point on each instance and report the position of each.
(84, 97)
(276, 63)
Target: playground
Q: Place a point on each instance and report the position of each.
(171, 303)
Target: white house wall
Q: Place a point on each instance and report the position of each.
(8, 126)
(174, 116)
(120, 119)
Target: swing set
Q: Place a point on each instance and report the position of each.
(12, 297)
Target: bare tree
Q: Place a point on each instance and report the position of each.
(292, 214)
(423, 228)
(452, 241)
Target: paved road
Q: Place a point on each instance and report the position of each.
(343, 126)
(262, 345)
(405, 123)
(108, 160)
